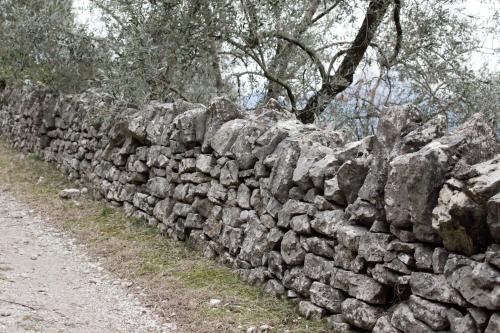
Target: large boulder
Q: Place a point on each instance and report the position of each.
(478, 283)
(351, 176)
(242, 148)
(224, 138)
(191, 125)
(461, 216)
(415, 179)
(310, 153)
(220, 111)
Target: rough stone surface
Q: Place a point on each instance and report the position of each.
(478, 283)
(360, 286)
(360, 314)
(384, 325)
(291, 250)
(311, 311)
(436, 288)
(405, 222)
(433, 314)
(493, 324)
(404, 320)
(327, 297)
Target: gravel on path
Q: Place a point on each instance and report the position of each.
(48, 285)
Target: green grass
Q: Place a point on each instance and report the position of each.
(34, 157)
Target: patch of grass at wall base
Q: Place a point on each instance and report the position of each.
(175, 280)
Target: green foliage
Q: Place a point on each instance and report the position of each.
(196, 49)
(41, 42)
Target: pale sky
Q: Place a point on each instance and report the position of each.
(89, 16)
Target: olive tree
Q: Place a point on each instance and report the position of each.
(40, 41)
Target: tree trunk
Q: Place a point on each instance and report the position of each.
(344, 75)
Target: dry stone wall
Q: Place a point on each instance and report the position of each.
(398, 232)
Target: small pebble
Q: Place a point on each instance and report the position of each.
(215, 302)
(127, 284)
(252, 329)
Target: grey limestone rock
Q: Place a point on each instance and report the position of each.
(244, 196)
(326, 222)
(350, 235)
(291, 250)
(494, 323)
(311, 311)
(434, 314)
(258, 241)
(220, 111)
(281, 178)
(295, 279)
(404, 320)
(163, 209)
(310, 153)
(318, 246)
(274, 288)
(194, 221)
(232, 239)
(275, 264)
(360, 286)
(383, 325)
(300, 224)
(70, 193)
(242, 148)
(435, 287)
(462, 324)
(318, 268)
(158, 186)
(229, 173)
(423, 257)
(327, 297)
(478, 283)
(351, 176)
(493, 219)
(360, 314)
(493, 255)
(290, 209)
(373, 246)
(333, 192)
(217, 193)
(222, 141)
(205, 163)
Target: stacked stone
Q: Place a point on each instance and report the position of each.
(398, 232)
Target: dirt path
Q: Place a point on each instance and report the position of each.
(47, 284)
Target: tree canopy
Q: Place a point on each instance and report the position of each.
(334, 62)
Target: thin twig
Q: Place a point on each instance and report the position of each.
(20, 304)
